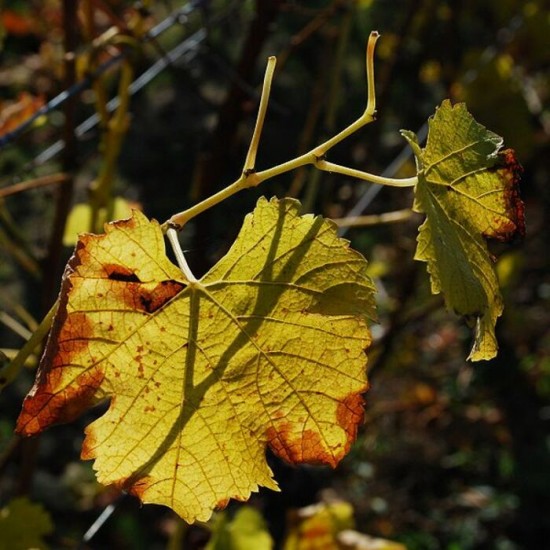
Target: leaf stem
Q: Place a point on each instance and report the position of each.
(250, 161)
(172, 235)
(359, 174)
(11, 370)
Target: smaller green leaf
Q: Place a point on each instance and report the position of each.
(468, 189)
(23, 525)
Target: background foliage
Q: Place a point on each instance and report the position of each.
(451, 455)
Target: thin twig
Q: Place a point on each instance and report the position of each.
(15, 325)
(44, 181)
(375, 219)
(10, 372)
(52, 261)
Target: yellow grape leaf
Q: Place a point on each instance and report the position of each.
(80, 218)
(246, 531)
(267, 349)
(330, 526)
(468, 189)
(316, 527)
(23, 525)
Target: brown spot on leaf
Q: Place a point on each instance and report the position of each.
(45, 405)
(162, 293)
(222, 504)
(72, 339)
(89, 444)
(349, 415)
(140, 297)
(297, 449)
(512, 223)
(116, 272)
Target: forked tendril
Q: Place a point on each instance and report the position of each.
(251, 178)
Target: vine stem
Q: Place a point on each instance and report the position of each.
(250, 178)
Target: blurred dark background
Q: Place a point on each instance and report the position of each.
(452, 455)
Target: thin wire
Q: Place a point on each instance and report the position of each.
(99, 522)
(187, 48)
(179, 16)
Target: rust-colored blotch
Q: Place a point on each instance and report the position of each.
(44, 406)
(308, 448)
(512, 222)
(222, 504)
(151, 301)
(349, 414)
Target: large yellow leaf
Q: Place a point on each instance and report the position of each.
(468, 189)
(267, 349)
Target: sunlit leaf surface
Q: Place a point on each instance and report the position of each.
(468, 189)
(267, 349)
